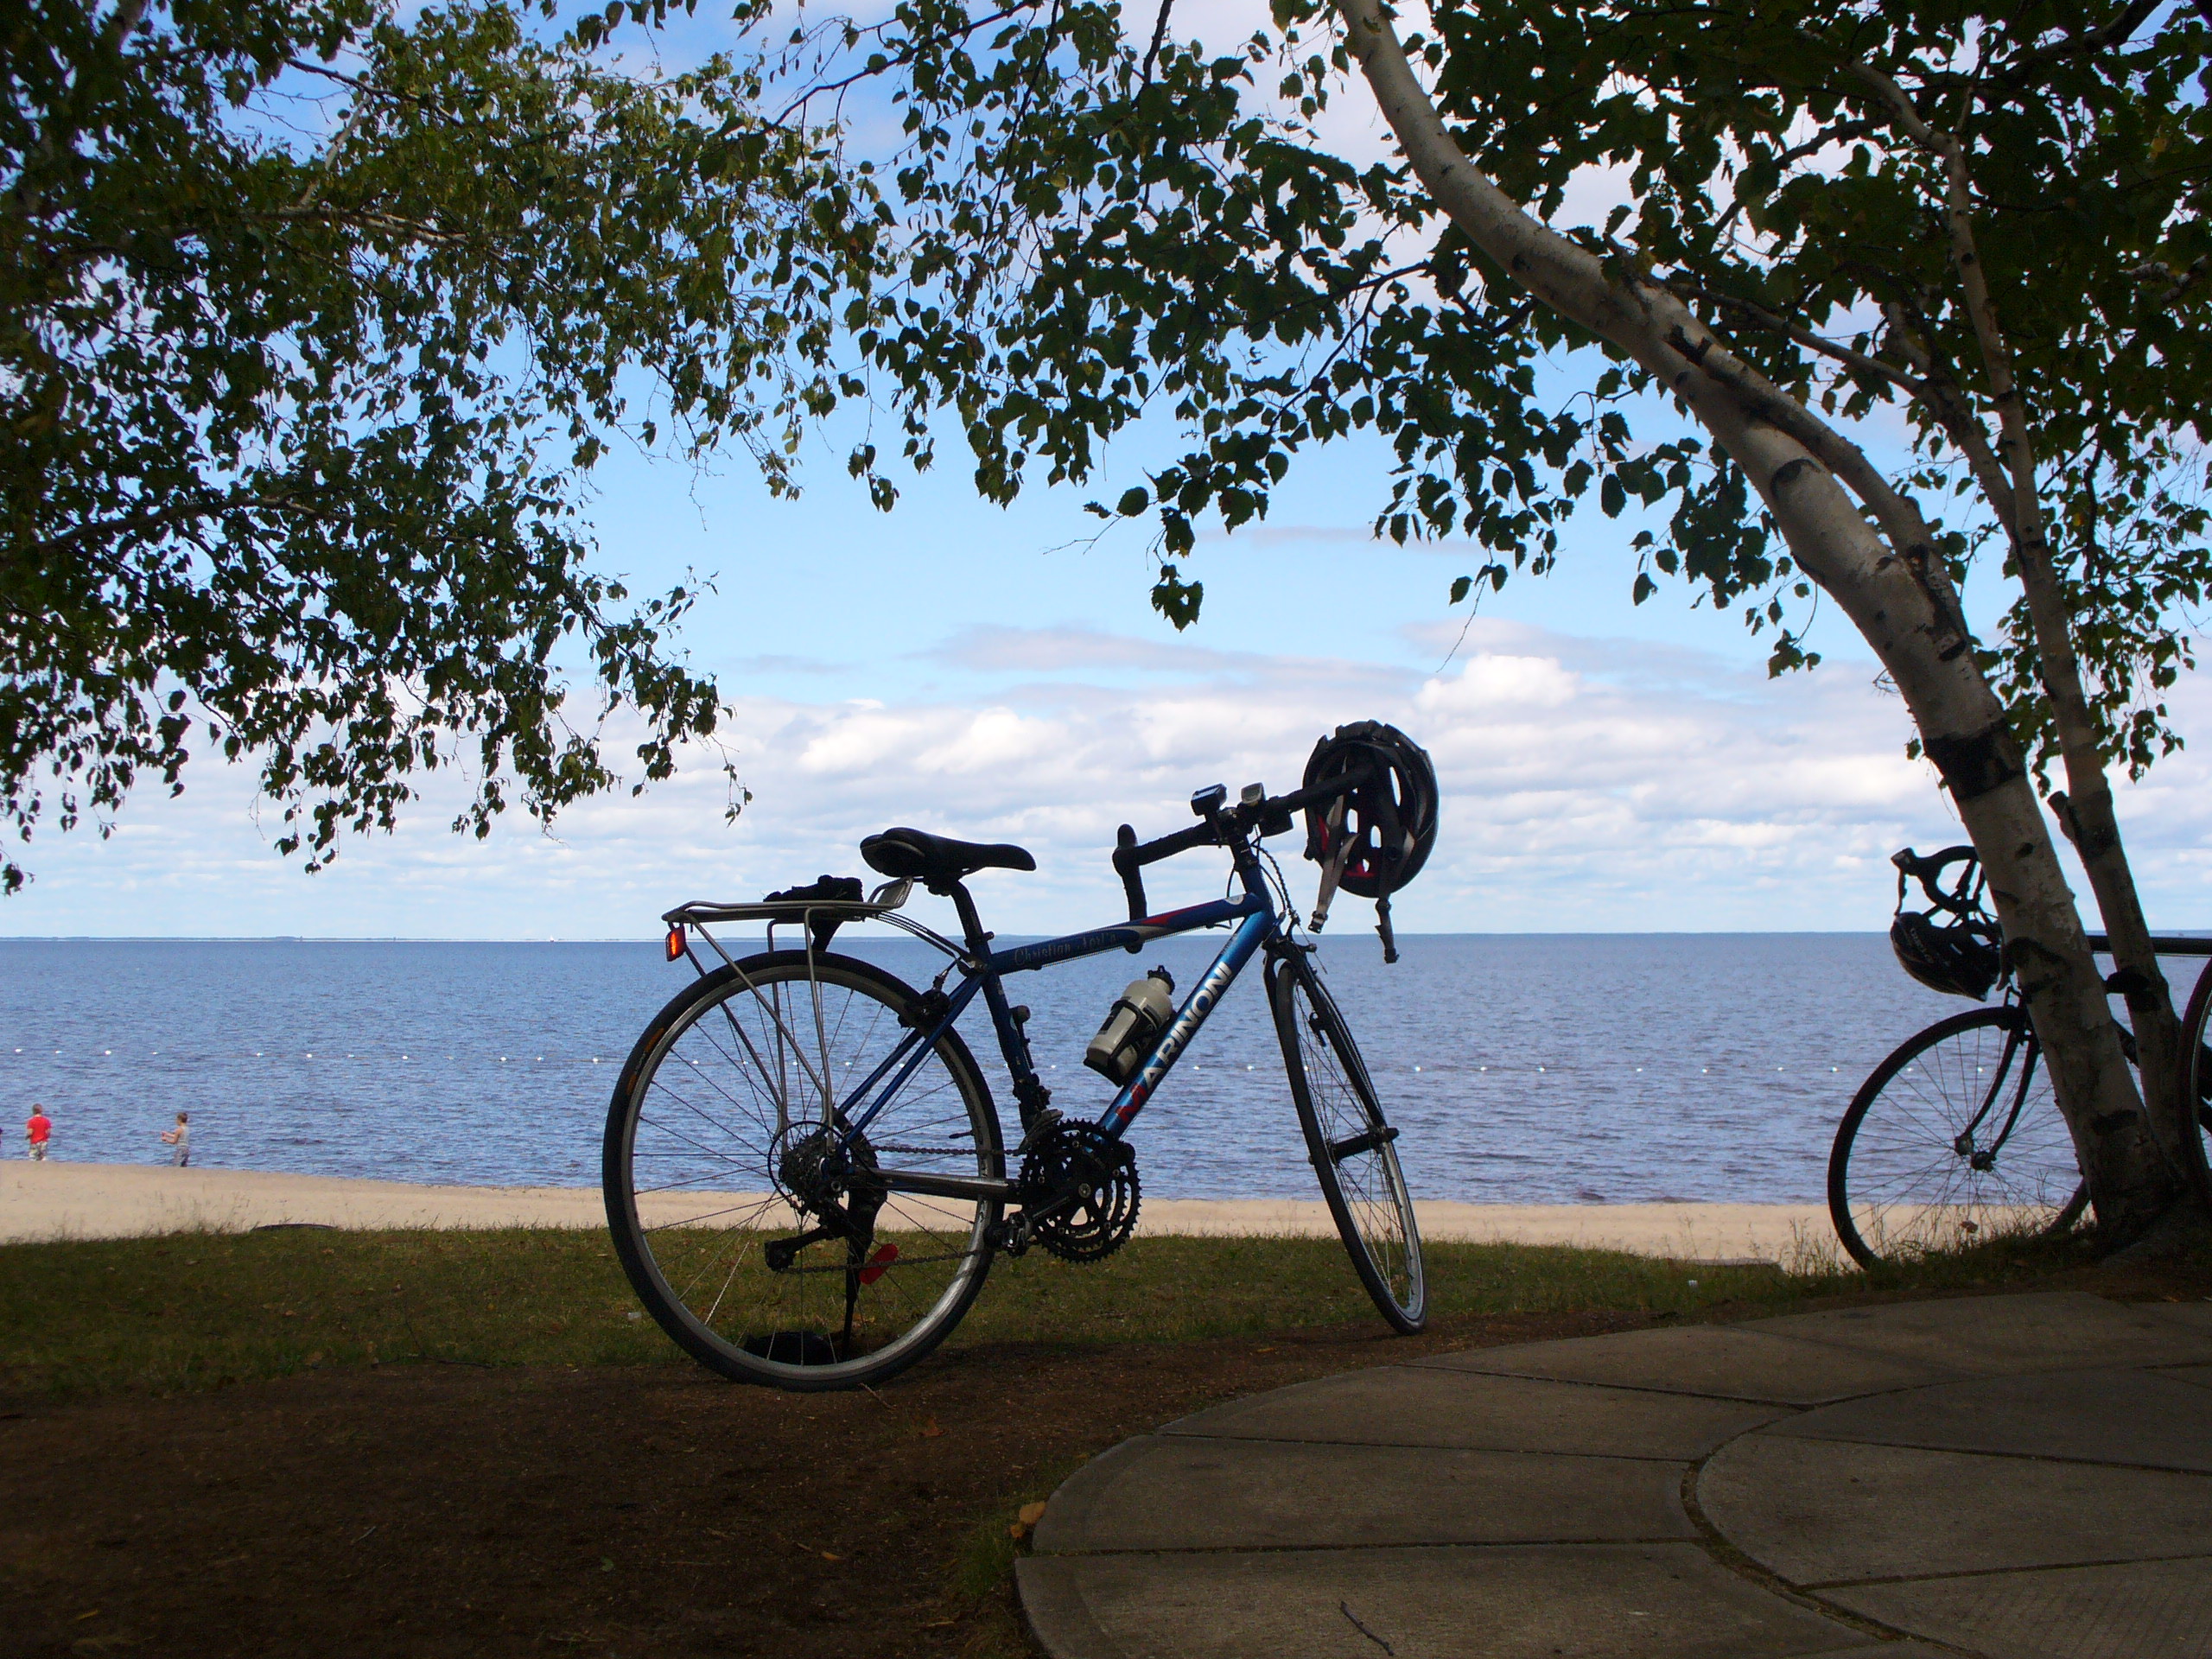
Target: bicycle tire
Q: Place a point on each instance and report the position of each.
(1352, 1146)
(722, 1099)
(1900, 1185)
(2193, 1021)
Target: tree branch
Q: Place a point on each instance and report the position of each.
(895, 60)
(1159, 38)
(1689, 289)
(1946, 400)
(2113, 32)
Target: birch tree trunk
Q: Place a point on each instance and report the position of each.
(1894, 590)
(2085, 810)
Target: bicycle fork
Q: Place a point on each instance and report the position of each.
(1985, 1158)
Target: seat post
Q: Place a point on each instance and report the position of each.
(972, 925)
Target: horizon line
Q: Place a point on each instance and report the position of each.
(655, 939)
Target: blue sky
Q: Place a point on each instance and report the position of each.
(1606, 766)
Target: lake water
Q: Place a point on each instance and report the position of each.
(1535, 1069)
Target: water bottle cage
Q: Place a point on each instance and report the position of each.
(1118, 1067)
(1131, 1026)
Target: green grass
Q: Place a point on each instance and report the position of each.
(197, 1310)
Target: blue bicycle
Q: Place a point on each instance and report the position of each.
(805, 1175)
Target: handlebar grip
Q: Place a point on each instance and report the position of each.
(1299, 799)
(1127, 865)
(1198, 835)
(1934, 864)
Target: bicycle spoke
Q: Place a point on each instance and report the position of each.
(756, 1282)
(1353, 1148)
(1899, 1184)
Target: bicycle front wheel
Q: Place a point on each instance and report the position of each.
(1953, 1140)
(755, 1228)
(2199, 1056)
(1353, 1149)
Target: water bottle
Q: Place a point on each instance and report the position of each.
(1133, 1025)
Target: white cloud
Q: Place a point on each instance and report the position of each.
(1589, 785)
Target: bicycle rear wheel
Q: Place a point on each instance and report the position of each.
(2193, 1024)
(1953, 1140)
(760, 1250)
(1353, 1149)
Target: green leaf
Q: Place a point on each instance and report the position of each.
(1176, 599)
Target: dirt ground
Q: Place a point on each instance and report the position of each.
(428, 1510)
(639, 1512)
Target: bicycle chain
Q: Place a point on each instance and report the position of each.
(902, 1262)
(927, 1152)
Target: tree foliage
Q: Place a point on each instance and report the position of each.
(313, 323)
(301, 396)
(1119, 227)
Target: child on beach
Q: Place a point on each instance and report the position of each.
(40, 1128)
(181, 1138)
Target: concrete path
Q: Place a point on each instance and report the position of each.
(2013, 1477)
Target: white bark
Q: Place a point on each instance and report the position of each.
(1894, 592)
(2087, 812)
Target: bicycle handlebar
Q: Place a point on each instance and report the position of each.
(1962, 899)
(1270, 816)
(1934, 864)
(1130, 857)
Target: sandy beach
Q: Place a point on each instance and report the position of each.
(61, 1200)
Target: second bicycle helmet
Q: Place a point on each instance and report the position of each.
(1960, 957)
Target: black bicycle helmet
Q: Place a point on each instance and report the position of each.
(1385, 829)
(1373, 840)
(1960, 956)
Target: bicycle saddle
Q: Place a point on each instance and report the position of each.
(937, 862)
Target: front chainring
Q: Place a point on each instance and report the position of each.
(1080, 1186)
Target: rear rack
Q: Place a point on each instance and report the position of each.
(882, 905)
(886, 898)
(700, 912)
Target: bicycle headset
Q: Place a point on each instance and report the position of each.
(1960, 957)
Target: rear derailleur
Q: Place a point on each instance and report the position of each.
(1080, 1193)
(837, 1188)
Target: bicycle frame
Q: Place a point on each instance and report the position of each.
(983, 971)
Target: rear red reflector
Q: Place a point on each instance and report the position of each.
(675, 941)
(876, 1263)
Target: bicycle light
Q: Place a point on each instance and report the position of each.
(675, 942)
